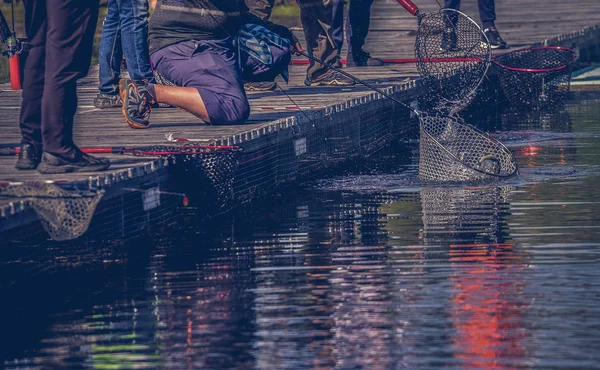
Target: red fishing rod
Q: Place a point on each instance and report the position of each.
(157, 150)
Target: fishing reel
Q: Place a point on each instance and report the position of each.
(13, 46)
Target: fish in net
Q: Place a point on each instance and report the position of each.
(452, 151)
(537, 78)
(64, 214)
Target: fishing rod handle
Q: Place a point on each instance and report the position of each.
(409, 6)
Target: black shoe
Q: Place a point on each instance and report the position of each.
(494, 38)
(260, 86)
(362, 58)
(29, 157)
(449, 41)
(330, 78)
(338, 63)
(102, 101)
(82, 162)
(137, 103)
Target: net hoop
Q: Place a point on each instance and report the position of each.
(425, 62)
(498, 60)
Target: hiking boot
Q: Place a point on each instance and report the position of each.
(81, 162)
(449, 41)
(494, 38)
(137, 103)
(260, 86)
(362, 58)
(102, 101)
(29, 157)
(330, 78)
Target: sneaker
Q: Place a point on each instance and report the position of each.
(29, 157)
(137, 103)
(493, 36)
(51, 163)
(449, 41)
(330, 78)
(260, 86)
(102, 101)
(362, 58)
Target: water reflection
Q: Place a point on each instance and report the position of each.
(486, 304)
(372, 274)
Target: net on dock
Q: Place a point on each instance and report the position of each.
(452, 151)
(536, 77)
(453, 56)
(64, 214)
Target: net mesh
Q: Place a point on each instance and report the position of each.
(452, 151)
(64, 214)
(537, 77)
(216, 175)
(453, 56)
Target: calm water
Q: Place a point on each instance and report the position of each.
(357, 272)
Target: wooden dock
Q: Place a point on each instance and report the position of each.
(297, 132)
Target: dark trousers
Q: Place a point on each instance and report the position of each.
(61, 35)
(487, 10)
(357, 23)
(316, 17)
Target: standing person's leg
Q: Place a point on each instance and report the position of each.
(357, 28)
(316, 20)
(133, 15)
(261, 8)
(30, 118)
(337, 26)
(70, 36)
(487, 13)
(110, 58)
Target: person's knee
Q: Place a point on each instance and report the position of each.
(231, 111)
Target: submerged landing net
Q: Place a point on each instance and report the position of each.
(64, 214)
(452, 151)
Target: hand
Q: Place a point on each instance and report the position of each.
(296, 46)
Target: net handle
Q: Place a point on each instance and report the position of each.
(409, 6)
(358, 80)
(537, 70)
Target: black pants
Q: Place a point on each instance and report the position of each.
(357, 23)
(61, 35)
(487, 10)
(316, 17)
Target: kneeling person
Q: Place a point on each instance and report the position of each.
(193, 44)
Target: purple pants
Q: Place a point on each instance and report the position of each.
(210, 66)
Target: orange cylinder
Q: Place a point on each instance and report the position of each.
(15, 72)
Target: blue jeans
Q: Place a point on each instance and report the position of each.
(125, 31)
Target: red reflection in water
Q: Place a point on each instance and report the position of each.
(486, 311)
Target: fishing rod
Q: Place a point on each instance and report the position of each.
(156, 150)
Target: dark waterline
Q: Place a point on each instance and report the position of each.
(362, 271)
